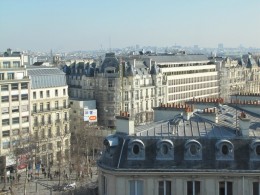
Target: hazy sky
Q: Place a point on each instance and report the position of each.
(66, 25)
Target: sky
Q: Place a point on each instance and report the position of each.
(69, 25)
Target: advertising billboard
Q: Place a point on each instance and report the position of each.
(90, 115)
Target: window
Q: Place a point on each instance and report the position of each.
(25, 119)
(49, 119)
(15, 109)
(164, 188)
(48, 93)
(110, 83)
(5, 122)
(48, 106)
(43, 119)
(58, 131)
(64, 103)
(65, 116)
(43, 134)
(24, 96)
(44, 147)
(34, 107)
(5, 110)
(41, 106)
(2, 76)
(193, 187)
(256, 189)
(49, 133)
(25, 130)
(4, 88)
(14, 86)
(5, 98)
(24, 85)
(16, 64)
(15, 131)
(15, 98)
(57, 116)
(34, 95)
(126, 95)
(56, 92)
(58, 144)
(5, 133)
(64, 91)
(126, 107)
(41, 94)
(24, 108)
(6, 64)
(6, 145)
(10, 76)
(56, 104)
(50, 146)
(225, 188)
(16, 120)
(136, 187)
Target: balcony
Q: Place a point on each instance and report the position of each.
(50, 110)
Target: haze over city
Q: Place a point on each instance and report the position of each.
(64, 25)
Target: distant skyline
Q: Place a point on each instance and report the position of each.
(65, 25)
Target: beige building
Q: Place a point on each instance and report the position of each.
(15, 104)
(118, 84)
(204, 147)
(49, 114)
(238, 76)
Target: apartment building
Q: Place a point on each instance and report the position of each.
(49, 114)
(15, 105)
(119, 83)
(204, 147)
(238, 75)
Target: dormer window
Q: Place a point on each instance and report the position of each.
(165, 150)
(255, 150)
(224, 150)
(136, 150)
(193, 150)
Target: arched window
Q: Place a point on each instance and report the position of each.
(224, 150)
(165, 150)
(193, 150)
(136, 150)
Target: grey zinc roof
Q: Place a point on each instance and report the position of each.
(45, 77)
(180, 131)
(178, 58)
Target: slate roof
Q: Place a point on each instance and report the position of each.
(45, 77)
(181, 132)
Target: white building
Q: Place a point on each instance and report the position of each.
(15, 104)
(188, 76)
(49, 114)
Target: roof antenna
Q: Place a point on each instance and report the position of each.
(109, 44)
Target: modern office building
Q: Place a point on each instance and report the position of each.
(188, 76)
(49, 114)
(203, 147)
(15, 106)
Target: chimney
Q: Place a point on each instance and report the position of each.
(124, 124)
(244, 124)
(210, 114)
(187, 113)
